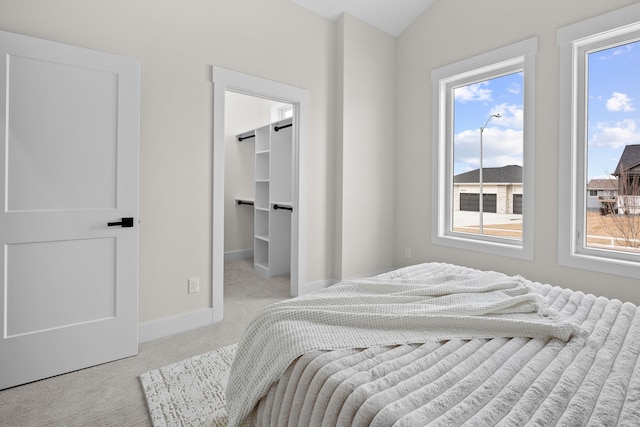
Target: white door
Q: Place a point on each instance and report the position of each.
(69, 121)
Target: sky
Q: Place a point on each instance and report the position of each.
(613, 114)
(614, 106)
(502, 136)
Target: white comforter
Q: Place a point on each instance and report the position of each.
(420, 304)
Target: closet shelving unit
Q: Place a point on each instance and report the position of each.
(261, 207)
(272, 203)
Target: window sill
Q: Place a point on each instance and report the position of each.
(501, 247)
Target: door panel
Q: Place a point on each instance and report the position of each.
(471, 202)
(44, 293)
(490, 203)
(517, 204)
(75, 111)
(69, 165)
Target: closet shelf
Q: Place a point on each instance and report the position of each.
(261, 268)
(273, 160)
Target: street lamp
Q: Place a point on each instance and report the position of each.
(481, 193)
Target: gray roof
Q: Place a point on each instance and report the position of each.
(629, 161)
(505, 174)
(602, 184)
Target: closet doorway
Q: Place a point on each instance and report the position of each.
(257, 188)
(286, 104)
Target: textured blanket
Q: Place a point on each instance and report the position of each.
(443, 302)
(591, 380)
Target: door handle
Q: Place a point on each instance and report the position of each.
(124, 223)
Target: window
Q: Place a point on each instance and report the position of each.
(483, 152)
(280, 111)
(600, 143)
(285, 112)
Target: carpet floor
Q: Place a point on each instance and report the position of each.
(111, 394)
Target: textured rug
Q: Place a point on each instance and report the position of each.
(190, 392)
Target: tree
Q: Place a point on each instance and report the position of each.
(623, 222)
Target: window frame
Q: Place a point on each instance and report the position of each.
(515, 57)
(575, 42)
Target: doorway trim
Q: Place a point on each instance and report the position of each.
(227, 80)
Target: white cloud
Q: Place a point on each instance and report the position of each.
(623, 49)
(515, 88)
(619, 51)
(474, 92)
(619, 102)
(616, 135)
(512, 116)
(500, 147)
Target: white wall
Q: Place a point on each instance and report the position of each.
(451, 30)
(362, 196)
(365, 149)
(178, 43)
(242, 113)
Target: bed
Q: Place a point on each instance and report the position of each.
(439, 344)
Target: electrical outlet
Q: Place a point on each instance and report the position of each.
(407, 252)
(194, 285)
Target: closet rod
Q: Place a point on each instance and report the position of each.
(277, 128)
(242, 138)
(276, 207)
(244, 202)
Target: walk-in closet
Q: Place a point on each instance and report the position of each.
(258, 182)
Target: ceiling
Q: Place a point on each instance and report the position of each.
(390, 16)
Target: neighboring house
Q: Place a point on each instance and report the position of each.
(628, 173)
(501, 188)
(602, 193)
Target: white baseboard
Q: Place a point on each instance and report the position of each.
(161, 328)
(238, 255)
(168, 326)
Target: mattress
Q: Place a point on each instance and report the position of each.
(589, 377)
